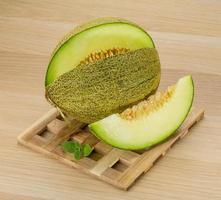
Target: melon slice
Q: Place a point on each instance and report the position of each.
(149, 122)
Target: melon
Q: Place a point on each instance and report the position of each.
(101, 68)
(150, 121)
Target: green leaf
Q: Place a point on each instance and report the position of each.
(77, 155)
(69, 146)
(77, 152)
(76, 149)
(87, 150)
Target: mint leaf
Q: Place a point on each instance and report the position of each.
(76, 149)
(77, 155)
(77, 152)
(87, 150)
(69, 146)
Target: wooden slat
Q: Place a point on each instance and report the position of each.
(87, 163)
(81, 136)
(56, 126)
(107, 161)
(111, 176)
(39, 125)
(92, 140)
(103, 148)
(129, 157)
(38, 140)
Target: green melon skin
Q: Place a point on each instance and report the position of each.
(93, 91)
(149, 129)
(95, 36)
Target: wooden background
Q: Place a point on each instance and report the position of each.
(188, 37)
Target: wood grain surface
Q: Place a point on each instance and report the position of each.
(188, 37)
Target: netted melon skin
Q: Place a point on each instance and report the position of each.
(93, 91)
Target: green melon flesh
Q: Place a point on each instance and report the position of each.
(151, 128)
(92, 38)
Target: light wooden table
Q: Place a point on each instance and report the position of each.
(188, 37)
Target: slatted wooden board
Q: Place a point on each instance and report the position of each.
(118, 167)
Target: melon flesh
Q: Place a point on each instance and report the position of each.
(151, 128)
(95, 39)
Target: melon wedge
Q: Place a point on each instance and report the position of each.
(149, 122)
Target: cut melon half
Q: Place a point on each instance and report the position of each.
(149, 122)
